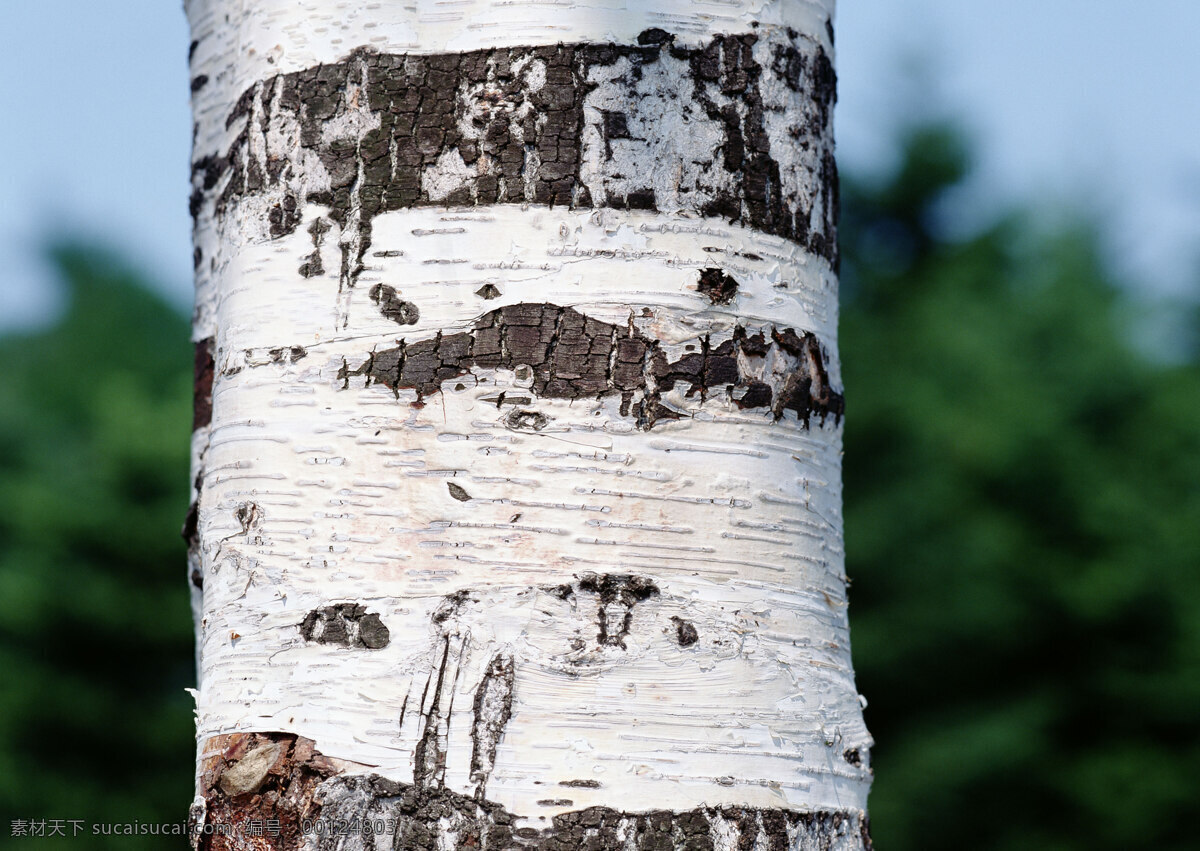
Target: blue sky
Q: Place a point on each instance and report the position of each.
(1074, 104)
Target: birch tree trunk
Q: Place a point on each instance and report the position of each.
(517, 516)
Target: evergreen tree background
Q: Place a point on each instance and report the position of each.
(95, 624)
(1022, 525)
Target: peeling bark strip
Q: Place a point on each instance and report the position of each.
(567, 355)
(417, 819)
(737, 128)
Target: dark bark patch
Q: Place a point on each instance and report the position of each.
(719, 287)
(202, 386)
(488, 292)
(190, 523)
(345, 625)
(565, 354)
(458, 492)
(393, 307)
(654, 37)
(198, 82)
(756, 394)
(521, 136)
(618, 593)
(312, 266)
(284, 216)
(685, 632)
(580, 784)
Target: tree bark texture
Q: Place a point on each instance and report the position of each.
(517, 509)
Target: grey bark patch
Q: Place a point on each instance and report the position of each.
(526, 420)
(493, 708)
(488, 292)
(291, 354)
(393, 307)
(429, 756)
(425, 818)
(510, 126)
(719, 287)
(572, 356)
(247, 514)
(345, 625)
(685, 632)
(580, 784)
(458, 492)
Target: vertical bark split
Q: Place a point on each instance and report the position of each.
(516, 519)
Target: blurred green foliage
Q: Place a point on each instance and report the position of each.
(1023, 531)
(95, 625)
(1023, 524)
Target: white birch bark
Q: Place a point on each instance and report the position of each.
(517, 511)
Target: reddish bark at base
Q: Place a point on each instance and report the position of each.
(261, 794)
